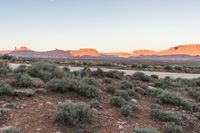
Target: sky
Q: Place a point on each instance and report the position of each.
(106, 25)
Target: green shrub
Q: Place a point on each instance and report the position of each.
(114, 74)
(23, 80)
(10, 130)
(133, 93)
(196, 115)
(178, 68)
(154, 92)
(167, 116)
(98, 73)
(90, 81)
(4, 69)
(197, 107)
(140, 76)
(89, 91)
(164, 84)
(94, 103)
(195, 93)
(110, 89)
(21, 69)
(156, 106)
(5, 89)
(145, 130)
(168, 68)
(126, 110)
(66, 69)
(62, 85)
(59, 85)
(173, 99)
(171, 127)
(154, 76)
(107, 81)
(45, 71)
(125, 85)
(73, 113)
(118, 101)
(122, 93)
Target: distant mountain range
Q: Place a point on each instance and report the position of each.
(181, 50)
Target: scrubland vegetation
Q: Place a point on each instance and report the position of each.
(45, 98)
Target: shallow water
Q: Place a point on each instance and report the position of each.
(130, 72)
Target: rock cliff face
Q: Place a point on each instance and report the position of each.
(84, 52)
(190, 49)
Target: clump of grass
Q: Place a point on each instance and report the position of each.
(74, 113)
(45, 71)
(6, 89)
(173, 99)
(145, 130)
(171, 127)
(167, 116)
(141, 77)
(23, 80)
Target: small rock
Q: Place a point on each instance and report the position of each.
(121, 127)
(9, 105)
(41, 91)
(133, 100)
(25, 92)
(140, 90)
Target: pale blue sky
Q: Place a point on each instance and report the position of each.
(107, 25)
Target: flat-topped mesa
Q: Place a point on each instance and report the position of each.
(189, 49)
(144, 52)
(85, 52)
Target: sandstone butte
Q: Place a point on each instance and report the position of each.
(189, 49)
(84, 52)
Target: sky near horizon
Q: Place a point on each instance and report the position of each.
(106, 25)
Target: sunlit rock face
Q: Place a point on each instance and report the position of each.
(84, 52)
(190, 49)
